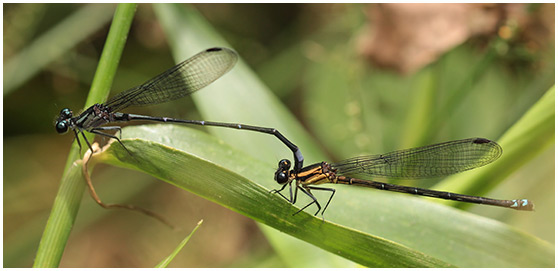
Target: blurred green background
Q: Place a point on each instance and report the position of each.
(352, 75)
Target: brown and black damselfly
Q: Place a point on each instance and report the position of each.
(436, 160)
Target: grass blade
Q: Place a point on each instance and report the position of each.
(167, 260)
(69, 195)
(528, 137)
(204, 165)
(54, 43)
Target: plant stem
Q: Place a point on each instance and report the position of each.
(66, 204)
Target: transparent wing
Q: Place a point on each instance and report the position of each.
(181, 80)
(424, 162)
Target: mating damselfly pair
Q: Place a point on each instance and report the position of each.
(183, 79)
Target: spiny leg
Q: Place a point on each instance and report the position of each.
(314, 200)
(330, 197)
(77, 139)
(86, 141)
(109, 128)
(279, 191)
(293, 199)
(95, 131)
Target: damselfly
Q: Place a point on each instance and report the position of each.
(181, 80)
(436, 160)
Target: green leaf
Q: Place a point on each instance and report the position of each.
(54, 43)
(455, 237)
(240, 96)
(167, 260)
(219, 173)
(528, 137)
(396, 232)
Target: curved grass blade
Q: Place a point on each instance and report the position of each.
(391, 230)
(383, 214)
(188, 32)
(167, 260)
(216, 172)
(528, 137)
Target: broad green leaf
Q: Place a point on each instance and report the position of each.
(240, 96)
(451, 236)
(372, 228)
(219, 173)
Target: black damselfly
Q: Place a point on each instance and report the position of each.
(176, 82)
(436, 160)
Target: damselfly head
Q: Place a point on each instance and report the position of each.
(65, 113)
(62, 124)
(282, 173)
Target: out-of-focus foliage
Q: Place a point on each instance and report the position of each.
(320, 60)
